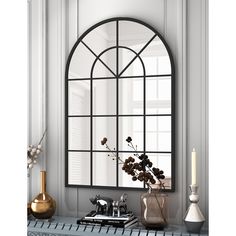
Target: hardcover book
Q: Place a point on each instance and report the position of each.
(124, 221)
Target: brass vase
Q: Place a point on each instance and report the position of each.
(28, 208)
(43, 206)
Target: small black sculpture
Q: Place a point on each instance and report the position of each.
(120, 206)
(103, 204)
(106, 205)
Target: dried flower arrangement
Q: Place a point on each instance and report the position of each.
(33, 152)
(143, 170)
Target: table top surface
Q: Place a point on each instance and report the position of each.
(60, 225)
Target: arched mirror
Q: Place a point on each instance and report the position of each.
(119, 83)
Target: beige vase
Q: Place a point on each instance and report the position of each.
(43, 205)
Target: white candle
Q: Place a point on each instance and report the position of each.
(194, 167)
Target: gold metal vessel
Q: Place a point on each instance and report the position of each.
(28, 208)
(43, 206)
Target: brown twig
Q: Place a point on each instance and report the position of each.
(42, 137)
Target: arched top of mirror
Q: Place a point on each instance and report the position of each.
(137, 42)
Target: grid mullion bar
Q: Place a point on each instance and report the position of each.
(91, 130)
(98, 78)
(144, 112)
(140, 76)
(130, 115)
(117, 103)
(144, 115)
(79, 150)
(121, 77)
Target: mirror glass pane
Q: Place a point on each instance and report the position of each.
(134, 35)
(79, 97)
(133, 127)
(79, 133)
(158, 98)
(134, 69)
(104, 169)
(101, 38)
(131, 96)
(104, 97)
(125, 180)
(163, 162)
(109, 58)
(158, 133)
(77, 173)
(98, 40)
(156, 58)
(81, 63)
(101, 69)
(104, 127)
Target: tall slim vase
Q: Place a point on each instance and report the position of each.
(28, 192)
(43, 206)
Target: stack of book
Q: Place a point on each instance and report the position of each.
(124, 221)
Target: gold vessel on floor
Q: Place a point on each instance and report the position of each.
(43, 206)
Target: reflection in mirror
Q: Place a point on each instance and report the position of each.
(79, 97)
(109, 57)
(101, 38)
(131, 96)
(158, 133)
(104, 97)
(104, 127)
(124, 179)
(158, 99)
(100, 70)
(134, 35)
(104, 170)
(98, 40)
(77, 173)
(163, 161)
(131, 126)
(135, 69)
(156, 58)
(80, 64)
(79, 133)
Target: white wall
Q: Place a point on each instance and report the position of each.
(183, 24)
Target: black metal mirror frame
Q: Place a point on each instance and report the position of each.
(117, 76)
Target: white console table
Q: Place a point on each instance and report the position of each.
(59, 226)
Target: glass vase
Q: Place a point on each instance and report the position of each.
(154, 209)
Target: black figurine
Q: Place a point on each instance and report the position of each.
(120, 206)
(103, 204)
